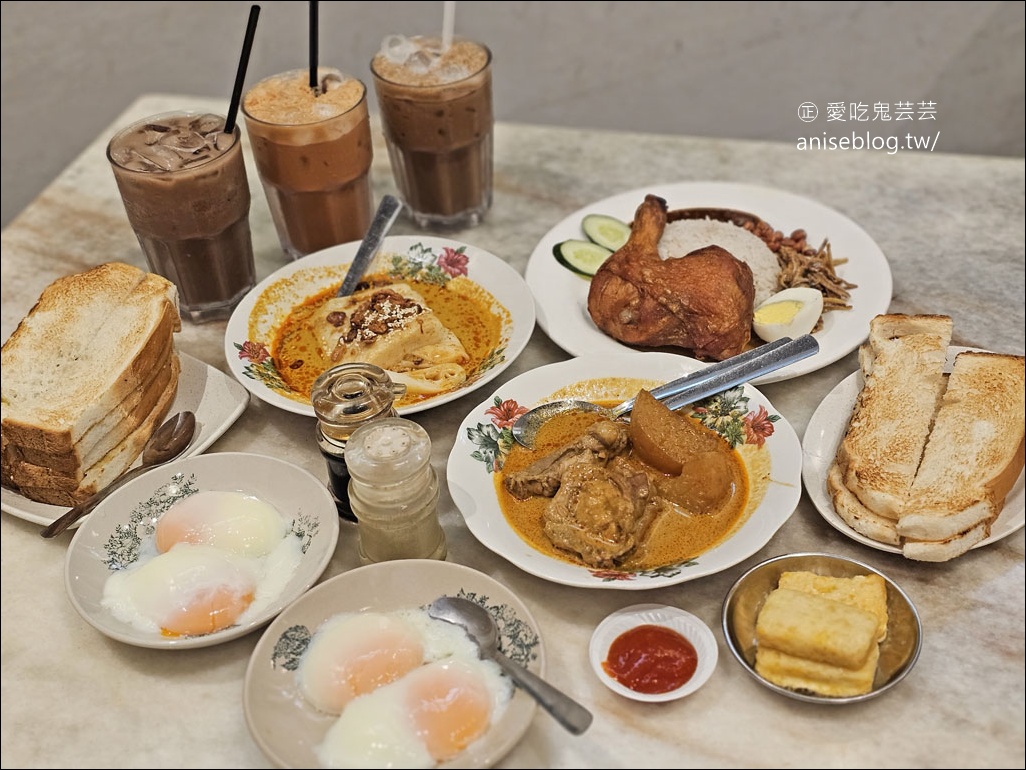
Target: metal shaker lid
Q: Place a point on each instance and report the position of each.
(389, 451)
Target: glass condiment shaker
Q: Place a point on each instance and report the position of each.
(394, 491)
(344, 398)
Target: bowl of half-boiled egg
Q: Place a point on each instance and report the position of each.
(356, 673)
(201, 550)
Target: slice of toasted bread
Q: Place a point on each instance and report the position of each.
(945, 550)
(88, 342)
(975, 451)
(902, 365)
(856, 515)
(30, 467)
(106, 432)
(115, 462)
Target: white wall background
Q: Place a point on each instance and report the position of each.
(729, 69)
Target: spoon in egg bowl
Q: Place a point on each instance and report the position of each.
(480, 626)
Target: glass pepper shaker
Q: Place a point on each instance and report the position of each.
(394, 491)
(344, 398)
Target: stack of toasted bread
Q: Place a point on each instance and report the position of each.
(928, 457)
(88, 375)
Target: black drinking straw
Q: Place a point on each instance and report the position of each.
(313, 45)
(240, 75)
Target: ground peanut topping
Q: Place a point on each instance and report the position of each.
(384, 312)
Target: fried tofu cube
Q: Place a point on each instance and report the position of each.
(818, 629)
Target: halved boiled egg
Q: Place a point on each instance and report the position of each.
(788, 313)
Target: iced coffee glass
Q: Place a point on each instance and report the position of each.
(313, 150)
(436, 113)
(183, 182)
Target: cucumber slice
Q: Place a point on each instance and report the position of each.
(608, 232)
(583, 257)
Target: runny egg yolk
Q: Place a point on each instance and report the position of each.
(424, 717)
(354, 655)
(208, 612)
(450, 706)
(188, 591)
(233, 521)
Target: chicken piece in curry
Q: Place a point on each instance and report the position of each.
(611, 495)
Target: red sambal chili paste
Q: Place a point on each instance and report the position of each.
(651, 659)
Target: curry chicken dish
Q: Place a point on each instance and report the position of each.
(637, 496)
(427, 337)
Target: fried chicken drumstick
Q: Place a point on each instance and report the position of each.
(702, 302)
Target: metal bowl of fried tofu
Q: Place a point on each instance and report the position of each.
(821, 628)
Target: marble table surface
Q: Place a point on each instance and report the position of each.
(952, 228)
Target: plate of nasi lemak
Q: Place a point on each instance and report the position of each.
(440, 317)
(814, 270)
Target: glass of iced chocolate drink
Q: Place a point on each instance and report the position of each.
(436, 113)
(312, 147)
(183, 182)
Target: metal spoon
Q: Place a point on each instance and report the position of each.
(384, 218)
(705, 382)
(165, 444)
(480, 626)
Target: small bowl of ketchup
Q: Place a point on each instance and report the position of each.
(653, 652)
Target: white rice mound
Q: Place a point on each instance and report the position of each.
(686, 235)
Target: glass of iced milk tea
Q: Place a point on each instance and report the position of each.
(183, 182)
(436, 113)
(312, 147)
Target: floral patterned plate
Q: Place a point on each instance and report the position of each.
(288, 729)
(120, 537)
(257, 318)
(765, 440)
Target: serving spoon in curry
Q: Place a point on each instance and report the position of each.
(699, 384)
(164, 444)
(384, 218)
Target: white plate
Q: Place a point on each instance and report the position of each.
(215, 398)
(305, 277)
(684, 623)
(288, 729)
(819, 446)
(562, 296)
(484, 439)
(115, 532)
